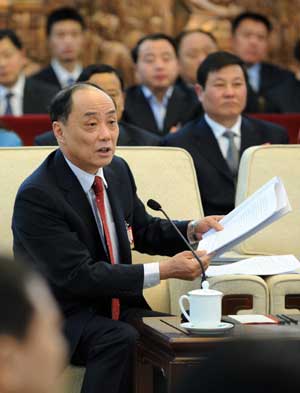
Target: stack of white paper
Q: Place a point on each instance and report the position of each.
(265, 206)
(259, 266)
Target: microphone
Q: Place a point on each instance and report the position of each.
(157, 207)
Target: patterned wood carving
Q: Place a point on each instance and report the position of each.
(115, 25)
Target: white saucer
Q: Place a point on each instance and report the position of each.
(222, 327)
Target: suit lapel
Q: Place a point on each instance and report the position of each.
(209, 148)
(144, 111)
(113, 191)
(76, 197)
(174, 106)
(250, 136)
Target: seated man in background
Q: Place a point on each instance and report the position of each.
(9, 138)
(77, 217)
(19, 95)
(217, 140)
(251, 41)
(65, 33)
(193, 46)
(32, 347)
(285, 98)
(110, 80)
(157, 104)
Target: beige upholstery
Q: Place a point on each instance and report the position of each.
(258, 165)
(279, 287)
(244, 284)
(165, 174)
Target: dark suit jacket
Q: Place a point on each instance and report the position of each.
(285, 98)
(129, 136)
(54, 227)
(216, 182)
(183, 106)
(48, 75)
(37, 96)
(270, 76)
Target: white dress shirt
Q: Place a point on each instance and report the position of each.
(63, 75)
(16, 100)
(254, 76)
(218, 131)
(151, 270)
(159, 108)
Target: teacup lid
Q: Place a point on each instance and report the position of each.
(205, 291)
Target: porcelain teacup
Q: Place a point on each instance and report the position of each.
(205, 307)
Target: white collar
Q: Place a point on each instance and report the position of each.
(17, 89)
(218, 129)
(86, 179)
(62, 74)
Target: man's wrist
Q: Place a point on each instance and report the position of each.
(191, 232)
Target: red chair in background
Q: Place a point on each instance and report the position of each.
(27, 126)
(291, 121)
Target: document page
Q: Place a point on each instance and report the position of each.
(249, 319)
(258, 266)
(266, 205)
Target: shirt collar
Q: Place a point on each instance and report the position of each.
(86, 179)
(149, 94)
(62, 74)
(218, 129)
(17, 89)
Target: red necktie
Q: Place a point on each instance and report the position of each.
(99, 192)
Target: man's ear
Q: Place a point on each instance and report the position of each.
(58, 131)
(199, 91)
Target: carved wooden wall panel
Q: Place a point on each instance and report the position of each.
(115, 25)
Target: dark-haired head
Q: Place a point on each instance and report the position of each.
(93, 69)
(193, 46)
(215, 62)
(152, 37)
(32, 346)
(16, 308)
(12, 36)
(61, 105)
(63, 14)
(254, 16)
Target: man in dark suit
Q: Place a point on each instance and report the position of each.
(65, 32)
(18, 94)
(77, 217)
(250, 41)
(110, 80)
(285, 98)
(157, 104)
(217, 140)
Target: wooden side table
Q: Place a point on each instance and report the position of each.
(165, 347)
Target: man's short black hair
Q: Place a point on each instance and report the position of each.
(16, 309)
(216, 61)
(92, 69)
(61, 104)
(185, 33)
(152, 37)
(62, 14)
(12, 36)
(253, 16)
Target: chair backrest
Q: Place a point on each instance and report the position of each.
(258, 165)
(27, 126)
(162, 173)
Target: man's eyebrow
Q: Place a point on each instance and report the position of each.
(90, 114)
(111, 112)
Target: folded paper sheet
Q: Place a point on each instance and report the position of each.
(266, 205)
(259, 266)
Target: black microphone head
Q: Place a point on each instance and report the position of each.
(153, 204)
